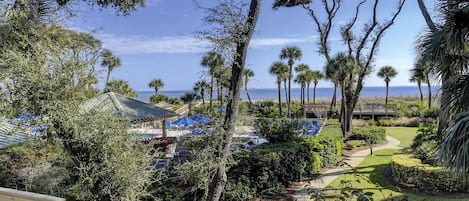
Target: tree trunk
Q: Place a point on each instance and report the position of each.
(190, 108)
(426, 16)
(211, 94)
(279, 98)
(289, 91)
(314, 94)
(247, 93)
(301, 94)
(334, 98)
(308, 91)
(286, 92)
(107, 77)
(429, 93)
(343, 111)
(203, 98)
(420, 90)
(218, 182)
(387, 90)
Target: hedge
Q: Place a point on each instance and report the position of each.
(268, 168)
(409, 171)
(372, 134)
(328, 147)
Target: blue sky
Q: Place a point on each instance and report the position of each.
(158, 41)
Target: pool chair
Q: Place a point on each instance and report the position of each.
(197, 131)
(305, 125)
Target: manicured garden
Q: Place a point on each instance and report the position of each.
(371, 175)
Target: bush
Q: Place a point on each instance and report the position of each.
(426, 132)
(268, 168)
(403, 121)
(409, 171)
(371, 135)
(412, 109)
(328, 147)
(355, 143)
(279, 130)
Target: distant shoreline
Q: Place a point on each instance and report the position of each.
(321, 93)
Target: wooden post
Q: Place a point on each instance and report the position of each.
(165, 135)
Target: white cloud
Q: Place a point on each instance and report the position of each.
(179, 44)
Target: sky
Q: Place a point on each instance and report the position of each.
(157, 41)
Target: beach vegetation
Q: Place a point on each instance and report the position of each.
(110, 62)
(213, 61)
(281, 71)
(201, 87)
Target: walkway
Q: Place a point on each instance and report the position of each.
(330, 175)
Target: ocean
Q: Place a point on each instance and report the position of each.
(321, 93)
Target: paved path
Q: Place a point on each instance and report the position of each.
(330, 175)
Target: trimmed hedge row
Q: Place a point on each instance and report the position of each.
(409, 171)
(372, 134)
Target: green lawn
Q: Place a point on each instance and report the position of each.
(369, 178)
(404, 134)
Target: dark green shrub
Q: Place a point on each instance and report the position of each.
(427, 153)
(279, 130)
(371, 135)
(328, 147)
(410, 172)
(426, 132)
(268, 168)
(412, 109)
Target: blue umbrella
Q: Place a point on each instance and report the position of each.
(200, 118)
(186, 121)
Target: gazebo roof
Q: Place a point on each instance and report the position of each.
(135, 110)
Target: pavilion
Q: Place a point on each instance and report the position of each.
(136, 111)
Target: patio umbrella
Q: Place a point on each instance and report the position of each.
(186, 121)
(200, 118)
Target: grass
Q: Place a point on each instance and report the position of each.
(369, 175)
(404, 134)
(332, 127)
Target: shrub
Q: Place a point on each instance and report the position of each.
(403, 121)
(412, 109)
(268, 168)
(359, 123)
(409, 171)
(372, 134)
(427, 153)
(328, 147)
(355, 143)
(426, 132)
(279, 130)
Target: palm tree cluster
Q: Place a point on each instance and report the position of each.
(219, 74)
(284, 72)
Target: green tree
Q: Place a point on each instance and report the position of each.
(307, 75)
(110, 62)
(200, 87)
(121, 87)
(387, 72)
(301, 80)
(189, 98)
(331, 73)
(156, 84)
(316, 76)
(213, 61)
(248, 74)
(290, 53)
(417, 74)
(233, 23)
(280, 70)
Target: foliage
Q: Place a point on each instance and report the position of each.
(403, 121)
(416, 109)
(121, 87)
(425, 133)
(279, 130)
(372, 134)
(410, 172)
(110, 62)
(268, 168)
(36, 166)
(328, 147)
(427, 153)
(156, 98)
(355, 143)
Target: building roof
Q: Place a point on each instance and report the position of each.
(11, 134)
(135, 110)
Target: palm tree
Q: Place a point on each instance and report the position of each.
(188, 98)
(331, 73)
(121, 87)
(109, 61)
(307, 75)
(387, 72)
(247, 73)
(213, 61)
(290, 53)
(200, 87)
(316, 76)
(156, 84)
(301, 80)
(417, 74)
(280, 70)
